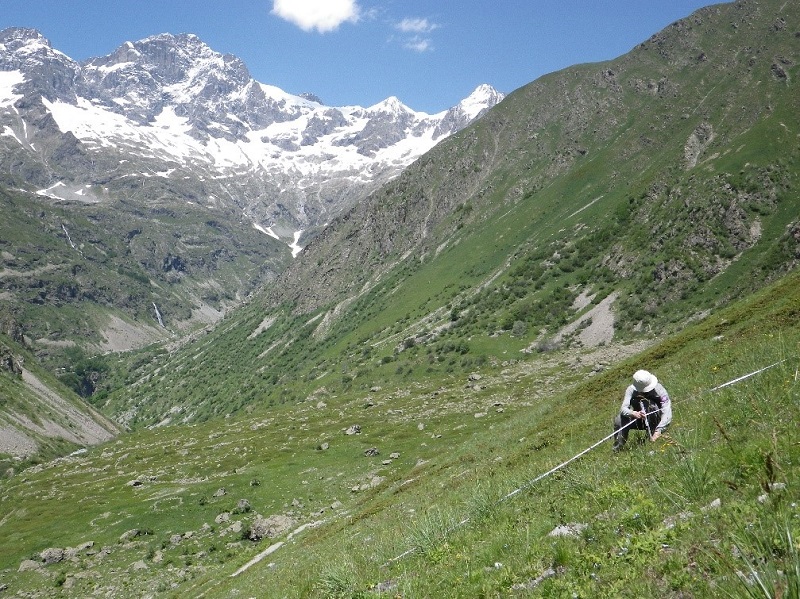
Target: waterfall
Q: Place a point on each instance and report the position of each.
(158, 316)
(68, 237)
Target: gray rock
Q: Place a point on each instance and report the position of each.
(270, 527)
(130, 534)
(567, 530)
(28, 564)
(52, 555)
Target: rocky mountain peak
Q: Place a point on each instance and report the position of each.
(459, 116)
(484, 95)
(172, 98)
(48, 72)
(391, 105)
(15, 39)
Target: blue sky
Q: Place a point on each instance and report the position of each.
(428, 53)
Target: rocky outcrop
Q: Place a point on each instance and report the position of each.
(224, 137)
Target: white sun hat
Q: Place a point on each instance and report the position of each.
(644, 381)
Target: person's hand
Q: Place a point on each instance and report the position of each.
(638, 415)
(655, 436)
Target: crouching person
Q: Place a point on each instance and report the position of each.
(646, 406)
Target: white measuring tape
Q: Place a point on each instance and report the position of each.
(575, 457)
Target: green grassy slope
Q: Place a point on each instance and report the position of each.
(666, 180)
(678, 518)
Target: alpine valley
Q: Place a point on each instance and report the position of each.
(178, 182)
(256, 346)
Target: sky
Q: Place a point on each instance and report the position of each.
(430, 54)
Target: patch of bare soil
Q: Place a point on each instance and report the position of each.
(123, 336)
(18, 432)
(600, 327)
(15, 442)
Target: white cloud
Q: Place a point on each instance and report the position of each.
(418, 44)
(416, 26)
(415, 32)
(322, 15)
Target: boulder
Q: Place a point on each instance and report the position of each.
(28, 565)
(269, 527)
(52, 555)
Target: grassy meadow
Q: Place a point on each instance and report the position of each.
(448, 507)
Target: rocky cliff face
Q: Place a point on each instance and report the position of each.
(169, 107)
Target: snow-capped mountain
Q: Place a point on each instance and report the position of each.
(170, 108)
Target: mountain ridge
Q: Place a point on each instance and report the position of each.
(119, 154)
(212, 115)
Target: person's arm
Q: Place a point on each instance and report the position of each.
(626, 403)
(666, 411)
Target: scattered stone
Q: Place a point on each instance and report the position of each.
(28, 564)
(371, 452)
(323, 447)
(243, 506)
(394, 455)
(140, 565)
(475, 376)
(321, 405)
(532, 584)
(222, 518)
(386, 462)
(385, 587)
(269, 527)
(336, 505)
(671, 521)
(220, 492)
(236, 527)
(176, 539)
(130, 534)
(373, 482)
(134, 483)
(73, 552)
(713, 505)
(52, 555)
(567, 530)
(420, 427)
(375, 389)
(353, 430)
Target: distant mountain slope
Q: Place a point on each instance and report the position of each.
(624, 198)
(169, 107)
(38, 416)
(688, 138)
(147, 192)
